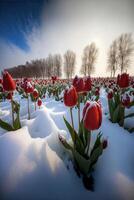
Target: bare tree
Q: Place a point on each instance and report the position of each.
(57, 60)
(90, 54)
(113, 58)
(43, 67)
(49, 66)
(83, 69)
(125, 51)
(69, 63)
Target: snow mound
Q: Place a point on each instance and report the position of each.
(28, 164)
(41, 125)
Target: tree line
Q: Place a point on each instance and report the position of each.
(120, 53)
(119, 57)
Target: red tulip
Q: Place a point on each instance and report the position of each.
(9, 96)
(110, 95)
(97, 93)
(126, 100)
(1, 81)
(88, 83)
(39, 102)
(1, 89)
(28, 87)
(123, 80)
(104, 144)
(78, 83)
(54, 78)
(70, 97)
(92, 115)
(75, 80)
(115, 89)
(8, 82)
(85, 107)
(35, 93)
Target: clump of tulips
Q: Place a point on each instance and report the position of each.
(9, 87)
(39, 102)
(1, 90)
(55, 89)
(119, 98)
(33, 92)
(84, 156)
(29, 89)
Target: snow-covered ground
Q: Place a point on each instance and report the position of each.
(32, 163)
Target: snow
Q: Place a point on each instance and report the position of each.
(33, 163)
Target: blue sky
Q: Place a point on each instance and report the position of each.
(32, 29)
(18, 17)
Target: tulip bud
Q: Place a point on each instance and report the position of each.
(9, 96)
(8, 82)
(39, 102)
(97, 93)
(78, 83)
(28, 87)
(92, 115)
(110, 94)
(123, 80)
(126, 100)
(35, 93)
(70, 97)
(61, 138)
(75, 80)
(104, 144)
(88, 84)
(1, 81)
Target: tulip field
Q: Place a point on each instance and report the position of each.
(67, 139)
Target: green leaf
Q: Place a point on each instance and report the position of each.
(130, 115)
(70, 129)
(66, 145)
(6, 126)
(97, 142)
(95, 155)
(132, 103)
(86, 136)
(116, 99)
(80, 132)
(111, 108)
(82, 163)
(121, 115)
(74, 136)
(16, 123)
(116, 114)
(16, 107)
(97, 98)
(131, 130)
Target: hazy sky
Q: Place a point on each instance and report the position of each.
(34, 28)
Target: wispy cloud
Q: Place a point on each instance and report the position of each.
(72, 24)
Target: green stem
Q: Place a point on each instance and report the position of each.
(79, 109)
(12, 110)
(122, 113)
(28, 107)
(71, 114)
(110, 109)
(88, 142)
(35, 105)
